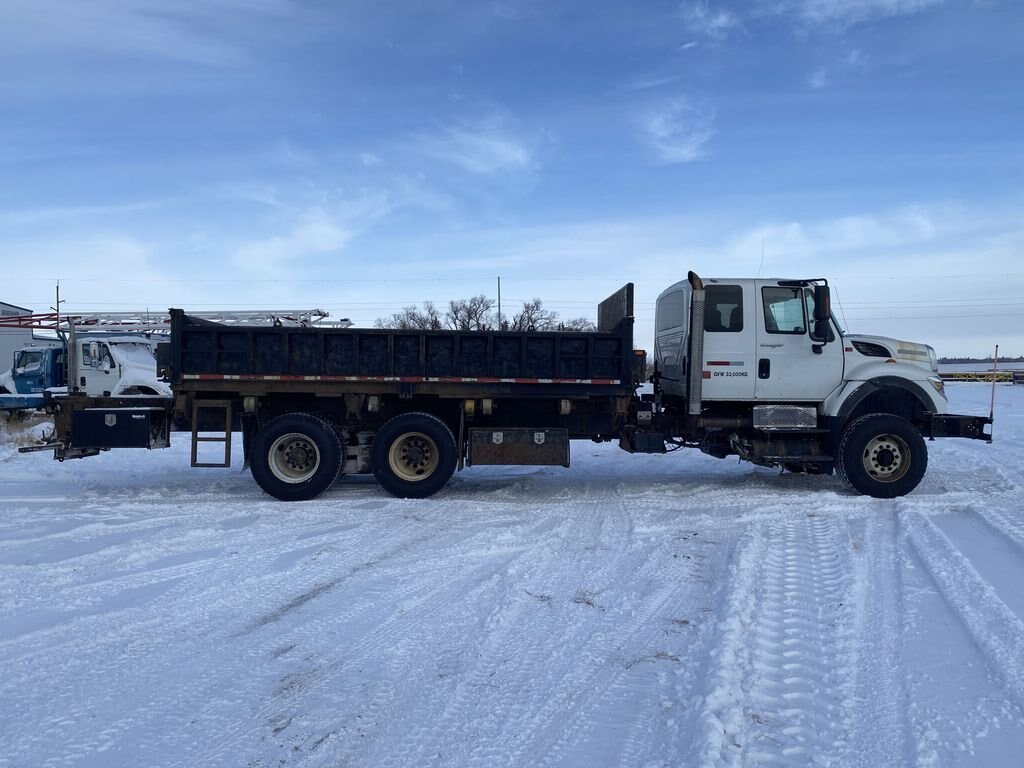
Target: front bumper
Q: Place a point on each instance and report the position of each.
(955, 425)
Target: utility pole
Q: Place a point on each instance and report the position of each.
(59, 302)
(499, 303)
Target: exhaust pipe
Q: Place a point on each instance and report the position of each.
(696, 380)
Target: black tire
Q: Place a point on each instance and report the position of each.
(882, 455)
(296, 457)
(413, 455)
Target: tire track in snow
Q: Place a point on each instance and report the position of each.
(140, 635)
(610, 654)
(1010, 526)
(393, 660)
(498, 705)
(203, 581)
(780, 681)
(881, 733)
(651, 671)
(451, 688)
(996, 629)
(306, 661)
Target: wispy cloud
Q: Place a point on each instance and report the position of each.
(310, 231)
(82, 213)
(840, 69)
(647, 83)
(677, 130)
(202, 32)
(806, 243)
(818, 79)
(485, 147)
(846, 13)
(702, 18)
(34, 266)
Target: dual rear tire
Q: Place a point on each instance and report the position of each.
(298, 456)
(413, 455)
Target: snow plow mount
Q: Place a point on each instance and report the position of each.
(955, 425)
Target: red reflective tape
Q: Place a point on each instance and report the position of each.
(394, 379)
(706, 374)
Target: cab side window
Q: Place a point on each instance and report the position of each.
(672, 311)
(723, 309)
(784, 310)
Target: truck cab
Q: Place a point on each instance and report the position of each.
(107, 364)
(35, 370)
(122, 364)
(760, 345)
(760, 368)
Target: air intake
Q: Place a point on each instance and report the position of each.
(871, 350)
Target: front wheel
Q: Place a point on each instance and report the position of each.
(882, 455)
(296, 456)
(413, 455)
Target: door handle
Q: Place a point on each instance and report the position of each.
(764, 368)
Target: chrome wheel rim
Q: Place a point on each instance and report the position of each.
(413, 456)
(886, 458)
(293, 458)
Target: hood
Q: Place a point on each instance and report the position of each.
(896, 349)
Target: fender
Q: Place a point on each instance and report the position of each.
(878, 383)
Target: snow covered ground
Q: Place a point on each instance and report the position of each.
(632, 611)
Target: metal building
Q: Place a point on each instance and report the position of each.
(12, 339)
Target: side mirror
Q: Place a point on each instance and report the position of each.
(820, 331)
(822, 304)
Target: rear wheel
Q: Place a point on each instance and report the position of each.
(882, 455)
(296, 456)
(413, 455)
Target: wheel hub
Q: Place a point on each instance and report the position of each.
(293, 458)
(298, 456)
(413, 456)
(416, 455)
(886, 458)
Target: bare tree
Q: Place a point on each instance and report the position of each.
(471, 314)
(577, 324)
(477, 314)
(412, 318)
(533, 317)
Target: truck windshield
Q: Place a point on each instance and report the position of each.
(29, 361)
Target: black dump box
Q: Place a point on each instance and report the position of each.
(445, 363)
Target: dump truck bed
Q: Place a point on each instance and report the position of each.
(442, 363)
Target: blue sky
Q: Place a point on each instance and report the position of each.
(360, 157)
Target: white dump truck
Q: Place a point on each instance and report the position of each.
(753, 368)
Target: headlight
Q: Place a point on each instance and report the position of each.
(938, 385)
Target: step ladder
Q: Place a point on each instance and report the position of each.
(224, 406)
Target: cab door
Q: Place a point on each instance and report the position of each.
(97, 372)
(790, 366)
(729, 339)
(29, 371)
